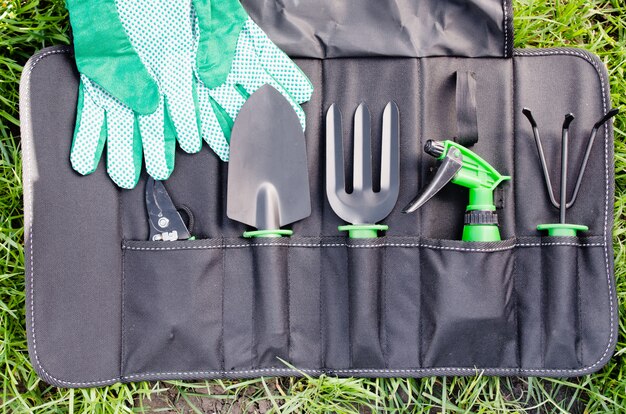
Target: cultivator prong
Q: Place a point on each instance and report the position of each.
(362, 177)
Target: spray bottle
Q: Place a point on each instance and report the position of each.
(463, 167)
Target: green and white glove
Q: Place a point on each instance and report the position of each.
(238, 58)
(137, 94)
(154, 72)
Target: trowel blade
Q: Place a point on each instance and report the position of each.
(268, 181)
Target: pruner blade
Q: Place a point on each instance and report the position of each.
(166, 224)
(450, 166)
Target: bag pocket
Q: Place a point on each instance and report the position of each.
(172, 307)
(256, 307)
(401, 288)
(365, 275)
(557, 277)
(270, 287)
(468, 305)
(560, 297)
(305, 303)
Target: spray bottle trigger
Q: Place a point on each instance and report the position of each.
(450, 166)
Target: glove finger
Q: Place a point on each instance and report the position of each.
(219, 25)
(214, 132)
(229, 98)
(104, 53)
(180, 105)
(89, 134)
(159, 143)
(123, 147)
(246, 77)
(278, 65)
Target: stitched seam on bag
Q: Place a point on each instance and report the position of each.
(254, 355)
(123, 344)
(321, 318)
(420, 319)
(579, 341)
(468, 370)
(505, 6)
(289, 304)
(513, 92)
(222, 346)
(382, 320)
(542, 304)
(516, 310)
(350, 318)
(289, 371)
(365, 246)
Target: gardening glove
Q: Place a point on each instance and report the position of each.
(136, 60)
(237, 59)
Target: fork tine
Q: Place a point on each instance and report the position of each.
(335, 176)
(390, 152)
(362, 149)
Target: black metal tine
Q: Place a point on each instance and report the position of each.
(362, 177)
(335, 171)
(583, 166)
(612, 112)
(564, 165)
(544, 165)
(390, 152)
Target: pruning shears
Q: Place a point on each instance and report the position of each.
(166, 223)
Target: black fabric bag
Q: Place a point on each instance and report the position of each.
(104, 305)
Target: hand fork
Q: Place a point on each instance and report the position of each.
(363, 207)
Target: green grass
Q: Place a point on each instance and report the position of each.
(29, 25)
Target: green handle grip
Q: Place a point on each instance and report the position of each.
(363, 231)
(267, 233)
(562, 230)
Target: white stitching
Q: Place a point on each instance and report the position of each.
(351, 371)
(506, 28)
(290, 371)
(360, 246)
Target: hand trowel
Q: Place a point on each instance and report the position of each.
(268, 181)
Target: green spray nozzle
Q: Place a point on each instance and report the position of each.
(465, 168)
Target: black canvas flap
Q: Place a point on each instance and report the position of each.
(408, 28)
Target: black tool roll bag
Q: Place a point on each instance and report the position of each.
(105, 305)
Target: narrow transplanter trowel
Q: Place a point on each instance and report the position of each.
(463, 167)
(268, 180)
